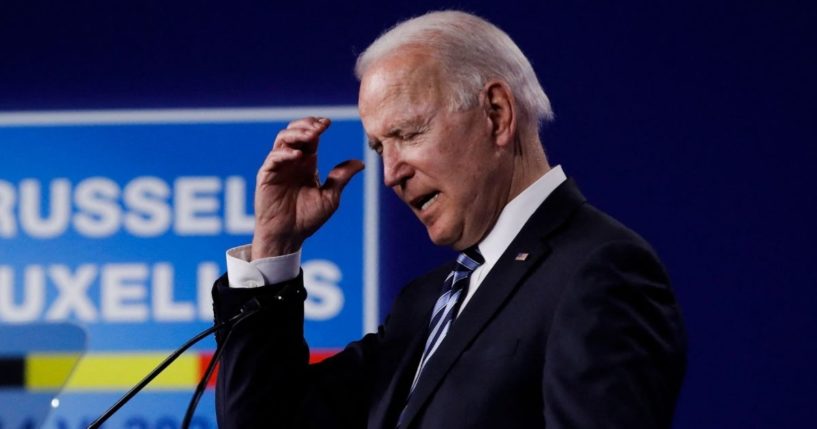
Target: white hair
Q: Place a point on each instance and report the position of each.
(471, 51)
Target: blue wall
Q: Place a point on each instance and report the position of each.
(694, 124)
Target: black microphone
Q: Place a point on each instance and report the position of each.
(249, 309)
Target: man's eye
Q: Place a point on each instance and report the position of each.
(376, 146)
(409, 136)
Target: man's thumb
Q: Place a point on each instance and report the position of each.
(340, 175)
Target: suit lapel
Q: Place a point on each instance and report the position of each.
(500, 284)
(391, 402)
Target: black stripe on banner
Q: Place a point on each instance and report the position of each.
(12, 371)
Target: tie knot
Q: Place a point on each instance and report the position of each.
(470, 258)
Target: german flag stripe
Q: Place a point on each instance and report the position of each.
(108, 371)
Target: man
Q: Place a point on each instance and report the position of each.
(554, 315)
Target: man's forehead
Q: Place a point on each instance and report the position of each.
(393, 99)
(381, 85)
(401, 68)
(397, 121)
(409, 121)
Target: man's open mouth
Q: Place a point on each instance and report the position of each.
(423, 202)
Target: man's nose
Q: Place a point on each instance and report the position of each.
(395, 169)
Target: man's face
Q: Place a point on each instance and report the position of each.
(444, 165)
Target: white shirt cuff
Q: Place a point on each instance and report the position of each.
(243, 273)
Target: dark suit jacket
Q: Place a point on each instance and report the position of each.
(583, 333)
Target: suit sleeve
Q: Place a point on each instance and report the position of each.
(265, 358)
(616, 355)
(265, 379)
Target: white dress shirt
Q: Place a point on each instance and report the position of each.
(243, 273)
(513, 217)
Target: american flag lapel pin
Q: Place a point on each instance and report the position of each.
(521, 256)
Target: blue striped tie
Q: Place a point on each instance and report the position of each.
(445, 311)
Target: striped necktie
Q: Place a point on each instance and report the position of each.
(446, 308)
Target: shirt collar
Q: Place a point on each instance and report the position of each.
(517, 212)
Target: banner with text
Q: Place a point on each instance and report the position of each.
(118, 221)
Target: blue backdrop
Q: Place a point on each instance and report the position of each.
(692, 123)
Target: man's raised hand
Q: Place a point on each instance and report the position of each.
(290, 202)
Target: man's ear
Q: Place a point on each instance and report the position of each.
(501, 109)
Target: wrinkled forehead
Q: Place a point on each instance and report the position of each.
(403, 83)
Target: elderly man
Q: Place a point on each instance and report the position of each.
(554, 315)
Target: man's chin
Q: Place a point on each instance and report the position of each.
(438, 238)
(445, 238)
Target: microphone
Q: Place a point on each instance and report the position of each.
(249, 309)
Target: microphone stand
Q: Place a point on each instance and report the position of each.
(250, 308)
(194, 401)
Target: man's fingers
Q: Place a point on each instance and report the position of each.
(297, 139)
(302, 136)
(276, 158)
(309, 123)
(337, 179)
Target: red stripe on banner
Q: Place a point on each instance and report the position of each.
(315, 356)
(204, 360)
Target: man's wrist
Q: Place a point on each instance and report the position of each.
(272, 247)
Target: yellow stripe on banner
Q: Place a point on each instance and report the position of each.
(113, 371)
(49, 371)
